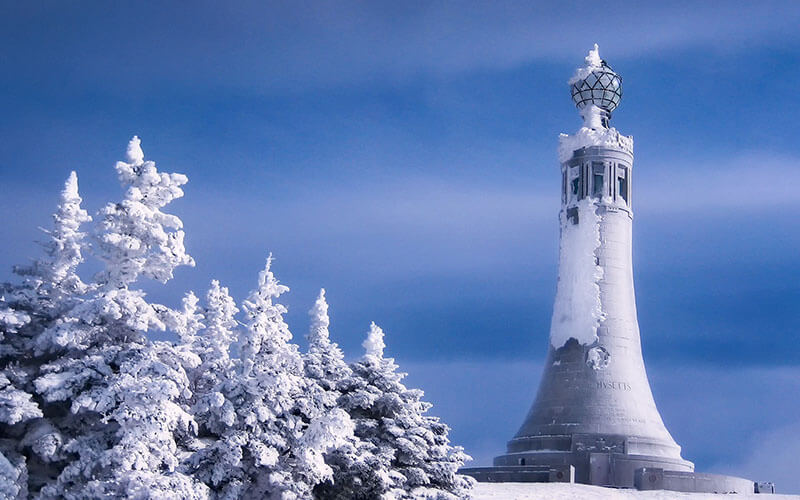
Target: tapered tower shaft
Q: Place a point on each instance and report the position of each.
(594, 408)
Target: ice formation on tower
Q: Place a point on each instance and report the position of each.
(578, 310)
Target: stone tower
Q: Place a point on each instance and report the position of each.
(594, 409)
(594, 419)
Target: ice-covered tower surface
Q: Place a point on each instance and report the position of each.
(594, 408)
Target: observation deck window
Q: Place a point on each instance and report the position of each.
(598, 171)
(622, 183)
(575, 183)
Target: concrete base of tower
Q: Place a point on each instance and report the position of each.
(615, 470)
(596, 468)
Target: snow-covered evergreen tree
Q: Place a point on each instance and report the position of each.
(50, 287)
(187, 323)
(116, 400)
(53, 278)
(135, 237)
(272, 429)
(90, 407)
(213, 343)
(352, 460)
(214, 378)
(414, 455)
(324, 362)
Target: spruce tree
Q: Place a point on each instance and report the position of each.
(51, 281)
(216, 370)
(135, 237)
(50, 286)
(351, 460)
(270, 427)
(324, 362)
(213, 342)
(90, 407)
(117, 400)
(413, 448)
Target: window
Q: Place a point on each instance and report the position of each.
(575, 182)
(622, 183)
(564, 186)
(598, 169)
(572, 215)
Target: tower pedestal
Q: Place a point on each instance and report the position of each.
(601, 421)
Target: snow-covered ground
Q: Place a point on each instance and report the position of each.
(562, 491)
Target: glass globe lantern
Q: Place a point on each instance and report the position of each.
(602, 87)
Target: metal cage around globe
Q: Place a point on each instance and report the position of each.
(602, 87)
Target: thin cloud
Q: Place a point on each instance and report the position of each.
(749, 181)
(445, 216)
(439, 225)
(771, 455)
(284, 46)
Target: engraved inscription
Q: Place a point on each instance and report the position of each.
(618, 386)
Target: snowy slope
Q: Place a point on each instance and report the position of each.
(561, 491)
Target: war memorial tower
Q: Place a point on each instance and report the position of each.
(594, 419)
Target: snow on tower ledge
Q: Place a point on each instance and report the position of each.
(586, 137)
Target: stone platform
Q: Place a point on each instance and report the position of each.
(640, 478)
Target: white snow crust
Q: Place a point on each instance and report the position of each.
(374, 344)
(577, 311)
(11, 475)
(593, 62)
(134, 154)
(320, 322)
(586, 136)
(563, 491)
(11, 319)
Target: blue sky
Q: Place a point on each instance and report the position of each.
(402, 155)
